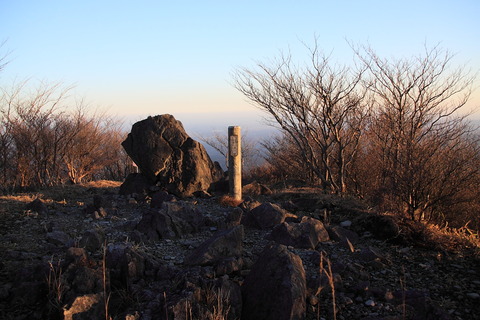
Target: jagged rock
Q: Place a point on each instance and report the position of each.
(265, 216)
(38, 206)
(168, 157)
(59, 238)
(135, 184)
(340, 234)
(275, 288)
(86, 307)
(256, 189)
(173, 220)
(126, 265)
(92, 240)
(77, 256)
(159, 197)
(307, 234)
(224, 244)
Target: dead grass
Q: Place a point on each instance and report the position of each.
(52, 196)
(229, 201)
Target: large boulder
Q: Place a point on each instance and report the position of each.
(168, 157)
(275, 288)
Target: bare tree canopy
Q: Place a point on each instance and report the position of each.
(320, 107)
(392, 131)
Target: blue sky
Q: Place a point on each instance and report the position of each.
(140, 58)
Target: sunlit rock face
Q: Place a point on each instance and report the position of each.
(169, 158)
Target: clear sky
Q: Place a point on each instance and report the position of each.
(141, 58)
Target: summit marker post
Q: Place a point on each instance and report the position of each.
(235, 162)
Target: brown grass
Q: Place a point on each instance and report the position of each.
(229, 201)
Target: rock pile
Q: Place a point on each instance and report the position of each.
(196, 259)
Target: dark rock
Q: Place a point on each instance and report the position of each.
(77, 256)
(92, 240)
(266, 216)
(383, 227)
(340, 234)
(168, 157)
(249, 204)
(234, 217)
(173, 220)
(38, 206)
(59, 238)
(159, 197)
(135, 183)
(85, 307)
(307, 234)
(125, 263)
(256, 189)
(224, 244)
(275, 288)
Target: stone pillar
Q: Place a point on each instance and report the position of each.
(235, 162)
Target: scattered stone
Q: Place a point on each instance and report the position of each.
(473, 295)
(92, 240)
(370, 303)
(224, 244)
(266, 216)
(173, 220)
(346, 224)
(307, 234)
(59, 238)
(159, 197)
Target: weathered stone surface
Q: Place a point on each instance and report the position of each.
(85, 307)
(168, 157)
(173, 220)
(224, 244)
(275, 288)
(307, 234)
(265, 216)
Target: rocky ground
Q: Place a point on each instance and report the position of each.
(165, 258)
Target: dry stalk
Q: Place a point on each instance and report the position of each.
(331, 282)
(106, 298)
(55, 284)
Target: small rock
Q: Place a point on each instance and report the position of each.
(370, 303)
(473, 295)
(346, 224)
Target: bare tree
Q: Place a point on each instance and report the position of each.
(419, 138)
(320, 107)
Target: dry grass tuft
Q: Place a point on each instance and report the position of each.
(229, 201)
(102, 184)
